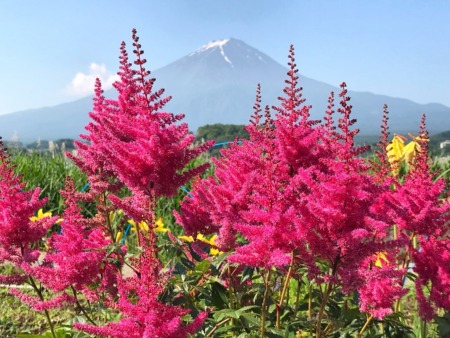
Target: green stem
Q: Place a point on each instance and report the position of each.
(217, 326)
(423, 328)
(81, 307)
(310, 301)
(297, 299)
(328, 291)
(264, 304)
(369, 319)
(322, 310)
(405, 265)
(230, 289)
(283, 292)
(47, 314)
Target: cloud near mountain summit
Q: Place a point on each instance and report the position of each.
(83, 83)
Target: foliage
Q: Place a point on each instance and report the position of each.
(49, 173)
(221, 134)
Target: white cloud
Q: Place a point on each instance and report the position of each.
(83, 83)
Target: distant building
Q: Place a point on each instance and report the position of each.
(445, 144)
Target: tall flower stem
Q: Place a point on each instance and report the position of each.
(46, 312)
(297, 299)
(264, 304)
(405, 265)
(368, 320)
(327, 293)
(310, 301)
(82, 307)
(328, 290)
(283, 292)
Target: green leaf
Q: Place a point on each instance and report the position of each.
(203, 266)
(444, 325)
(252, 318)
(219, 295)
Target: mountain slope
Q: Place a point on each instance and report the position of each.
(217, 84)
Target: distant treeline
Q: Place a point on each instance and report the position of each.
(225, 133)
(65, 144)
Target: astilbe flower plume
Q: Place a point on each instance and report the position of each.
(132, 143)
(132, 140)
(19, 234)
(298, 186)
(143, 315)
(422, 214)
(77, 256)
(248, 192)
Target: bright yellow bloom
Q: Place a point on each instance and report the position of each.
(40, 215)
(395, 148)
(413, 148)
(160, 226)
(213, 251)
(397, 152)
(119, 236)
(381, 259)
(203, 239)
(142, 226)
(189, 239)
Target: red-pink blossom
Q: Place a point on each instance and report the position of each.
(143, 315)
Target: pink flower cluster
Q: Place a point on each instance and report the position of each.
(133, 141)
(298, 186)
(131, 144)
(143, 315)
(19, 233)
(17, 206)
(77, 257)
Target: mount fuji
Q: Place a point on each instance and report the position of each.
(217, 84)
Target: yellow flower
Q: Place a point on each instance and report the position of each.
(142, 226)
(381, 259)
(398, 152)
(114, 215)
(160, 226)
(395, 152)
(119, 236)
(186, 238)
(203, 239)
(213, 251)
(412, 148)
(40, 215)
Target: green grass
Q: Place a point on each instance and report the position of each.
(49, 173)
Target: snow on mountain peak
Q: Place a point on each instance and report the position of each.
(215, 44)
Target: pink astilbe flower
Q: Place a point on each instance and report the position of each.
(132, 141)
(432, 264)
(380, 282)
(143, 315)
(38, 305)
(382, 168)
(422, 215)
(416, 204)
(380, 290)
(298, 186)
(78, 257)
(19, 234)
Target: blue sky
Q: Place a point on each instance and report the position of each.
(51, 49)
